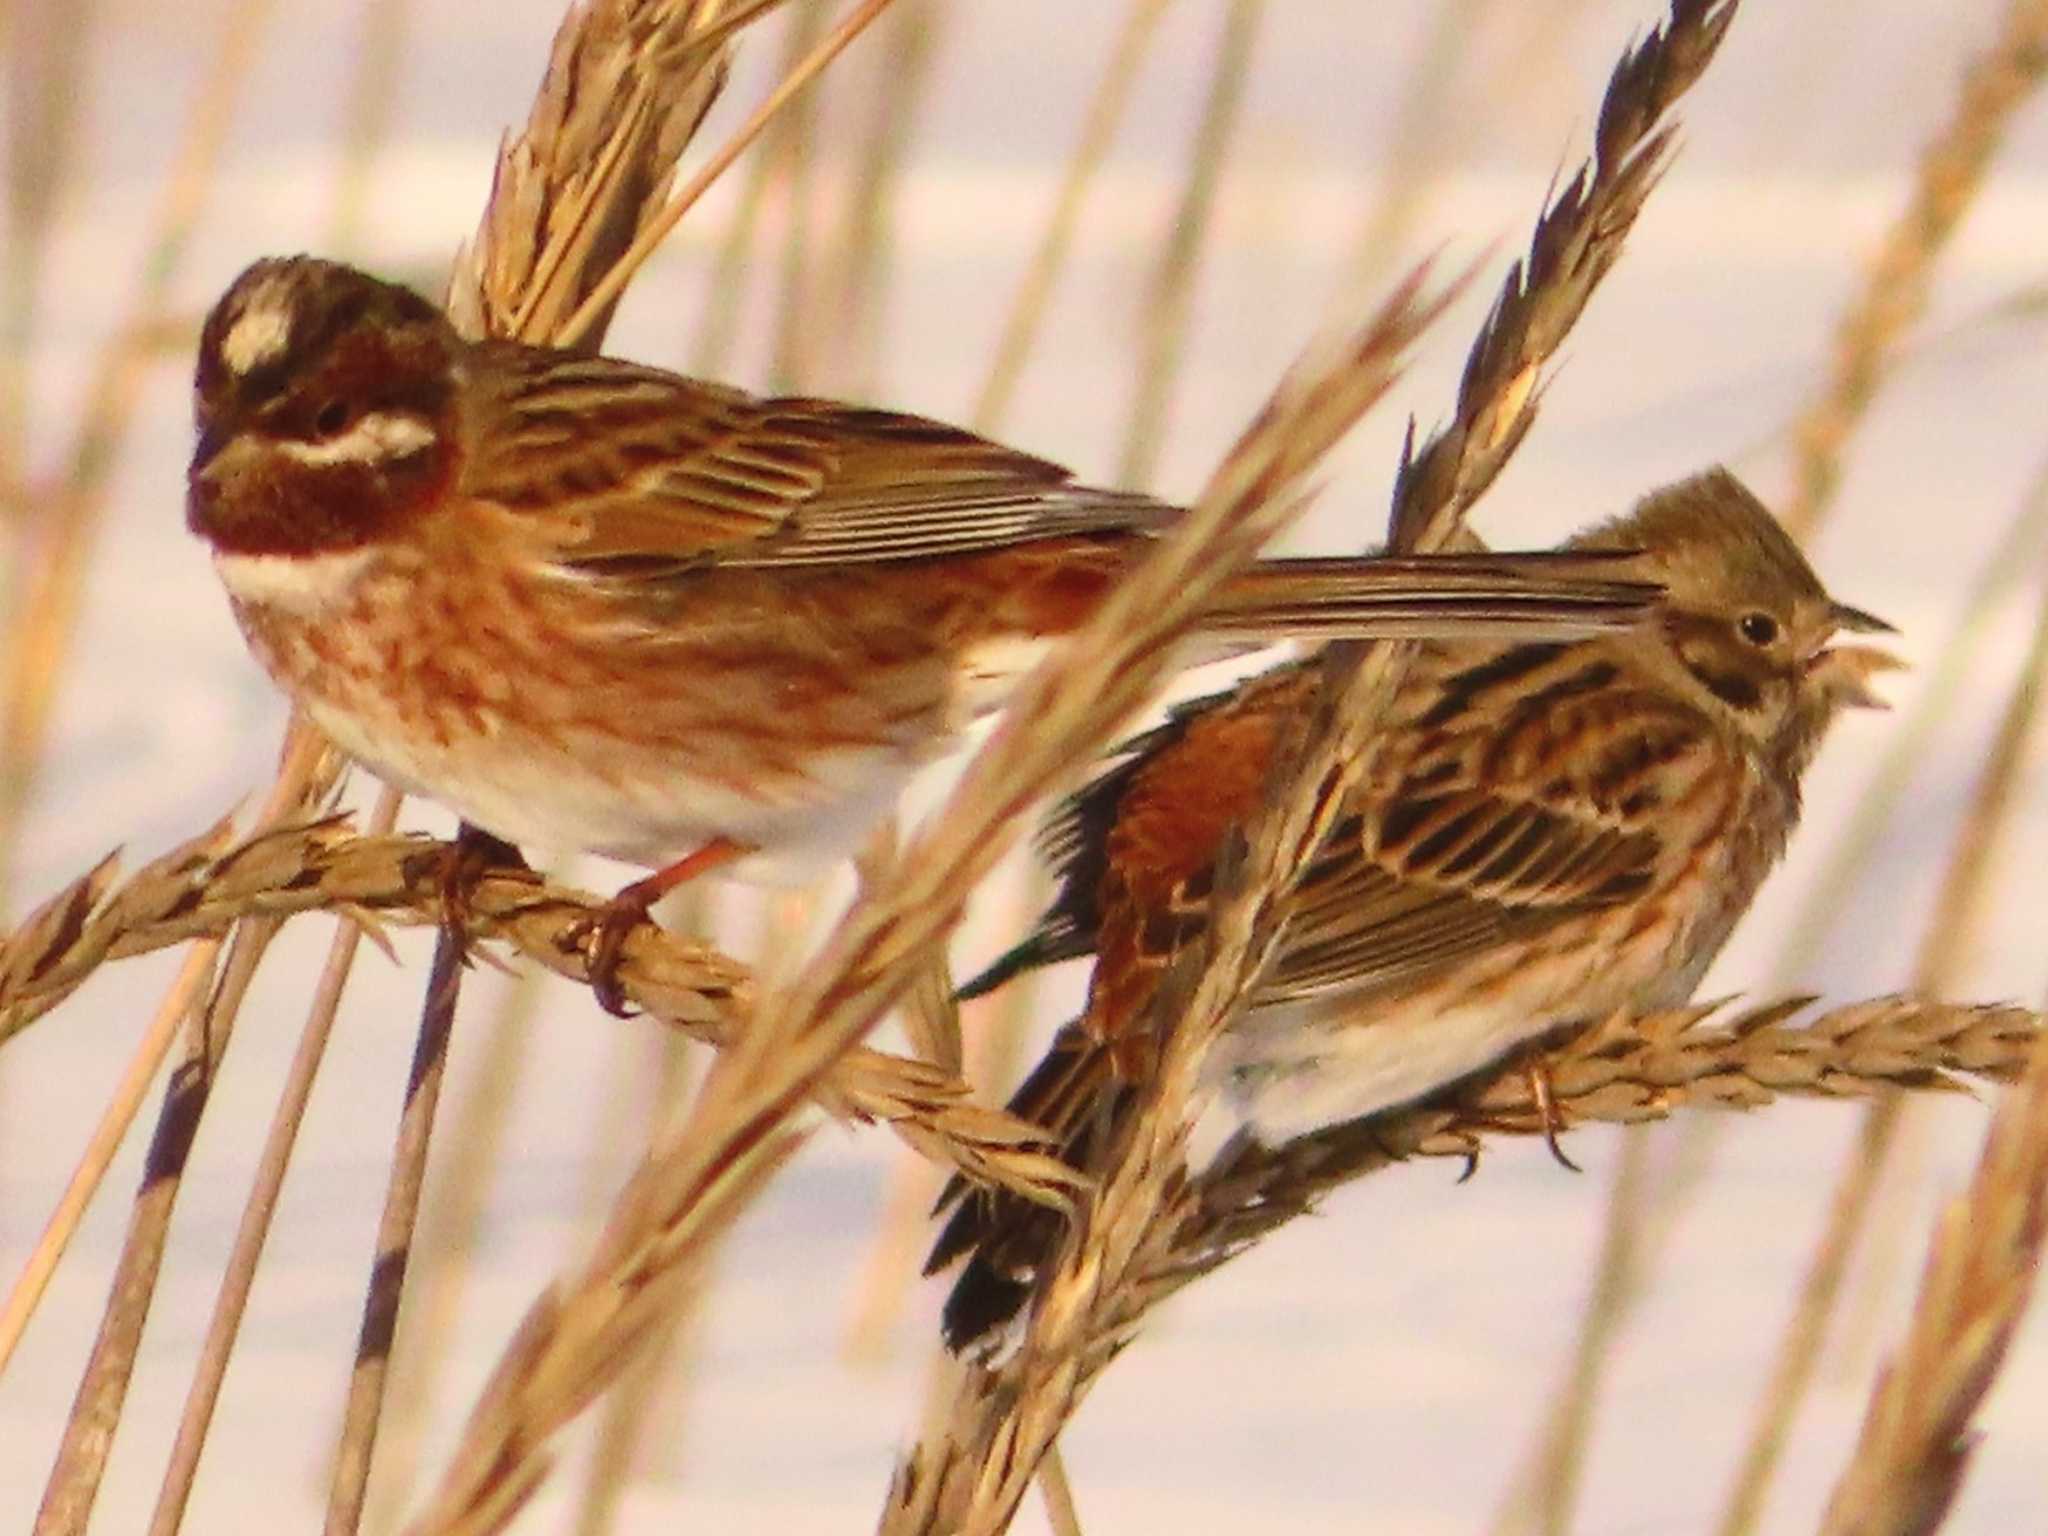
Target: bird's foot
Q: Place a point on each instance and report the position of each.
(1553, 1117)
(606, 928)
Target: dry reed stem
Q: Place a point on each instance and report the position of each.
(792, 141)
(1425, 131)
(112, 1129)
(239, 1275)
(199, 890)
(1002, 1421)
(1165, 317)
(74, 1480)
(894, 1262)
(46, 54)
(307, 775)
(371, 101)
(1624, 1071)
(857, 287)
(42, 616)
(629, 1421)
(1916, 1439)
(1997, 84)
(89, 1431)
(930, 1015)
(578, 1337)
(1169, 298)
(626, 87)
(1098, 128)
(452, 1222)
(363, 1411)
(1965, 887)
(1058, 1494)
(589, 315)
(892, 1267)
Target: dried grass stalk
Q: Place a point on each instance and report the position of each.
(1577, 240)
(306, 777)
(1997, 84)
(1027, 309)
(577, 1337)
(597, 304)
(238, 1276)
(1170, 291)
(1625, 1071)
(201, 889)
(1916, 1439)
(627, 84)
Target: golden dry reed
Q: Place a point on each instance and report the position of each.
(582, 194)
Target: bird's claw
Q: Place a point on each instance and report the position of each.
(604, 933)
(473, 854)
(1552, 1116)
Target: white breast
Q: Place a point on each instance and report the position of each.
(309, 585)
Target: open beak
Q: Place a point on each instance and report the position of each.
(1844, 673)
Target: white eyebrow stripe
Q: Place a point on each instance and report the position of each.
(377, 436)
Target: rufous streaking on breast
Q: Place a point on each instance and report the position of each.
(593, 605)
(1545, 832)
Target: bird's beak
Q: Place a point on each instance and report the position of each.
(217, 458)
(1843, 673)
(1857, 621)
(217, 455)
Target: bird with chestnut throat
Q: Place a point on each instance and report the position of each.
(591, 605)
(1545, 832)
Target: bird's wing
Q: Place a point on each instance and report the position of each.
(641, 473)
(1465, 848)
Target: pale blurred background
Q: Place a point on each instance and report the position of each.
(1383, 1368)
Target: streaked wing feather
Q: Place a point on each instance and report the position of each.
(1427, 879)
(645, 474)
(1394, 944)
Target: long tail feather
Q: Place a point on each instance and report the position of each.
(1551, 595)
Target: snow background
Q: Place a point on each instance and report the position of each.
(1383, 1368)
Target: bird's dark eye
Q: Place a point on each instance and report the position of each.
(334, 416)
(1757, 628)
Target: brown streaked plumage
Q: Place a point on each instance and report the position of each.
(1546, 831)
(594, 605)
